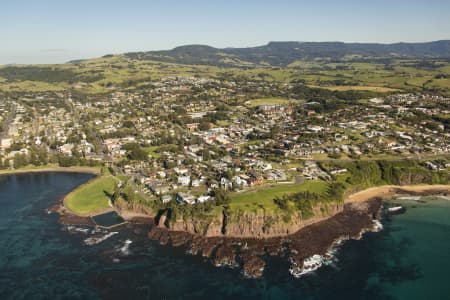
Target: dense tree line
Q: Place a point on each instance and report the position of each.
(46, 74)
(374, 173)
(305, 201)
(135, 152)
(39, 156)
(362, 174)
(316, 94)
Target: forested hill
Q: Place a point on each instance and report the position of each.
(285, 53)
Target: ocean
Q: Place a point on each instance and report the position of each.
(43, 259)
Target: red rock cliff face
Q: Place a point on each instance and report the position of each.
(132, 209)
(210, 227)
(251, 224)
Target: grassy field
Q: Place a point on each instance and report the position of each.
(125, 73)
(267, 101)
(263, 196)
(379, 89)
(31, 86)
(91, 197)
(151, 151)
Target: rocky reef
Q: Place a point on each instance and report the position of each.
(311, 239)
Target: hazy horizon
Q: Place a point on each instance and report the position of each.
(197, 44)
(50, 31)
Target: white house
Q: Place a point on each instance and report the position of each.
(184, 180)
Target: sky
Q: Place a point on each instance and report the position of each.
(55, 31)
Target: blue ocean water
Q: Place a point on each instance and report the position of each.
(42, 259)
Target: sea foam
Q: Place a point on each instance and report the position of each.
(75, 229)
(316, 261)
(125, 249)
(94, 240)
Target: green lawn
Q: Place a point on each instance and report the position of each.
(264, 196)
(151, 151)
(91, 197)
(380, 89)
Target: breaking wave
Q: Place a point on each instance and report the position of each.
(316, 261)
(94, 240)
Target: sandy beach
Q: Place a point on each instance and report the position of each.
(392, 190)
(76, 169)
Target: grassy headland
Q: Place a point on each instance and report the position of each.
(92, 197)
(264, 196)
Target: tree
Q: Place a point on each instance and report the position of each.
(128, 124)
(128, 193)
(43, 155)
(34, 159)
(203, 125)
(221, 197)
(20, 160)
(281, 202)
(67, 161)
(6, 164)
(116, 194)
(135, 152)
(206, 155)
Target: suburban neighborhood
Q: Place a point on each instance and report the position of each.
(180, 138)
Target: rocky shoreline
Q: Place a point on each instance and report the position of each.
(315, 239)
(305, 248)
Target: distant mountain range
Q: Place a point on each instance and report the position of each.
(284, 53)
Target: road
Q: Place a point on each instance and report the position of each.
(89, 130)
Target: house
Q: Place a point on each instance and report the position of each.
(185, 198)
(225, 183)
(184, 180)
(181, 171)
(192, 126)
(237, 181)
(159, 188)
(274, 109)
(5, 143)
(314, 128)
(166, 198)
(203, 199)
(338, 171)
(66, 149)
(245, 179)
(256, 179)
(96, 157)
(430, 165)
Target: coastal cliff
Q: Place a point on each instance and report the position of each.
(130, 211)
(315, 237)
(262, 223)
(249, 224)
(237, 238)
